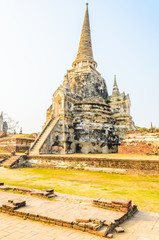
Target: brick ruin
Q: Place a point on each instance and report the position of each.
(83, 118)
(17, 142)
(112, 213)
(140, 142)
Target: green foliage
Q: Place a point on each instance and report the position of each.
(118, 99)
(107, 101)
(96, 114)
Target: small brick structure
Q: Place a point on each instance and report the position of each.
(14, 204)
(122, 205)
(17, 142)
(47, 193)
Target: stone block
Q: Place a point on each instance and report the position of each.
(59, 222)
(110, 235)
(123, 209)
(49, 190)
(32, 216)
(123, 202)
(5, 188)
(78, 227)
(70, 225)
(90, 231)
(103, 231)
(108, 223)
(18, 202)
(82, 220)
(98, 221)
(119, 229)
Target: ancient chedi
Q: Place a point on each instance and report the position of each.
(82, 117)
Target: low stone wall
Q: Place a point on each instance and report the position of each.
(47, 193)
(122, 205)
(140, 148)
(45, 161)
(4, 155)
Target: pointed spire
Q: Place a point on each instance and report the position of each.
(115, 87)
(85, 53)
(1, 115)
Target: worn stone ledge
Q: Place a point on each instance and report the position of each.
(121, 205)
(48, 161)
(47, 193)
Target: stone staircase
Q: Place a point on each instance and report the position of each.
(11, 162)
(35, 148)
(2, 160)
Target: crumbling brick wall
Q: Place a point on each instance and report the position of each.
(139, 142)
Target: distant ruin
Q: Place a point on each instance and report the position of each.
(3, 125)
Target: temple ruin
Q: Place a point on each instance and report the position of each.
(83, 118)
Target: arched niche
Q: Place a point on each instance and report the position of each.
(58, 105)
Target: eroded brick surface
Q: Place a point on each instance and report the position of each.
(140, 142)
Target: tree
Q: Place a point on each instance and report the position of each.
(13, 126)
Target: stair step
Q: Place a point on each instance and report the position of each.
(45, 133)
(10, 161)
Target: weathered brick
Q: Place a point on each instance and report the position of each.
(82, 220)
(119, 229)
(110, 235)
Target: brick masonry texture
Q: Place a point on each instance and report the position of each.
(140, 142)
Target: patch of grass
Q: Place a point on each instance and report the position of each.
(107, 101)
(141, 189)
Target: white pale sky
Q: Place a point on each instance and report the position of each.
(39, 41)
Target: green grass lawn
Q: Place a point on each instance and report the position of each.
(142, 189)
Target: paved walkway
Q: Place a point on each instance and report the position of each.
(143, 226)
(14, 228)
